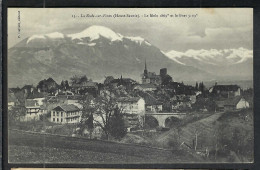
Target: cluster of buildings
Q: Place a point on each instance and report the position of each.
(156, 93)
(228, 97)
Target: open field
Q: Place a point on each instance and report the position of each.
(26, 147)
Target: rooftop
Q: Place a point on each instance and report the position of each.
(67, 108)
(11, 97)
(35, 94)
(146, 86)
(31, 103)
(226, 87)
(149, 99)
(128, 99)
(232, 101)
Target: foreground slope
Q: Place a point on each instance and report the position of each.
(227, 134)
(26, 147)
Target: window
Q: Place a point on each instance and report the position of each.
(57, 113)
(53, 114)
(61, 114)
(53, 119)
(57, 119)
(61, 120)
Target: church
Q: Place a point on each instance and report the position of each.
(152, 78)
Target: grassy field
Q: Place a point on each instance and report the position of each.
(25, 147)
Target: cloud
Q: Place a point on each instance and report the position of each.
(212, 28)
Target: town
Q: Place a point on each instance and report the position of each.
(80, 107)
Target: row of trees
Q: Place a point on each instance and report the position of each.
(201, 87)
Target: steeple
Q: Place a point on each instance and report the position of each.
(145, 69)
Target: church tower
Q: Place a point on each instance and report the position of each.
(145, 70)
(145, 76)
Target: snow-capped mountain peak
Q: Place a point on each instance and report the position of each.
(138, 40)
(91, 33)
(174, 55)
(212, 56)
(35, 37)
(54, 35)
(94, 32)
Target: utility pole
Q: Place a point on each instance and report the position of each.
(196, 141)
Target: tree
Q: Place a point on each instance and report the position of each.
(103, 109)
(117, 127)
(88, 109)
(62, 85)
(15, 113)
(66, 84)
(105, 106)
(141, 123)
(78, 79)
(167, 79)
(196, 86)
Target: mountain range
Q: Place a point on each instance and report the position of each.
(98, 52)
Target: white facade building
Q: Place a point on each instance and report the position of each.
(235, 103)
(66, 114)
(132, 105)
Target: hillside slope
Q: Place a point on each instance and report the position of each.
(229, 132)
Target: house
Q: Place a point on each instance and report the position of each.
(132, 105)
(128, 83)
(108, 80)
(145, 87)
(235, 103)
(151, 103)
(225, 91)
(28, 88)
(68, 113)
(75, 100)
(178, 106)
(182, 102)
(84, 87)
(37, 96)
(33, 110)
(12, 100)
(14, 90)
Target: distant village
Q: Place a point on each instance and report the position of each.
(157, 93)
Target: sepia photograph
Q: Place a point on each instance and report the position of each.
(130, 85)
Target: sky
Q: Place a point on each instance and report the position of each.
(181, 30)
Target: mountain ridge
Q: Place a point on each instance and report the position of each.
(95, 54)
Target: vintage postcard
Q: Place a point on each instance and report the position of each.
(130, 85)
